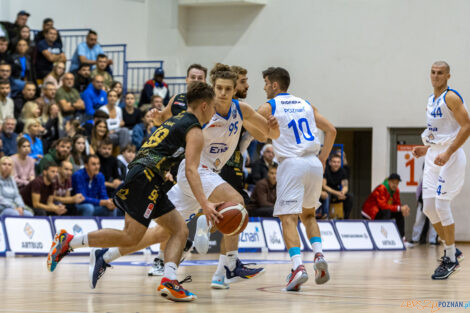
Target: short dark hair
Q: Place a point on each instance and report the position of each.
(272, 166)
(198, 67)
(106, 142)
(49, 29)
(47, 20)
(100, 114)
(394, 176)
(63, 140)
(335, 155)
(49, 164)
(3, 39)
(279, 75)
(129, 147)
(88, 157)
(101, 56)
(82, 65)
(91, 32)
(4, 82)
(199, 91)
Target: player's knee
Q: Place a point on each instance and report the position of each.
(444, 211)
(289, 220)
(429, 209)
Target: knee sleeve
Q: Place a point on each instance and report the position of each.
(444, 211)
(429, 209)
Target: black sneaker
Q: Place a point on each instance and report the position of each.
(458, 255)
(446, 268)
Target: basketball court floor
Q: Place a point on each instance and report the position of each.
(394, 281)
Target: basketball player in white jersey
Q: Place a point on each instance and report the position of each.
(448, 127)
(300, 171)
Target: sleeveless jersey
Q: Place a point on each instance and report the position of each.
(221, 136)
(442, 128)
(297, 127)
(165, 148)
(179, 104)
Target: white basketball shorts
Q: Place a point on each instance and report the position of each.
(299, 183)
(443, 182)
(181, 195)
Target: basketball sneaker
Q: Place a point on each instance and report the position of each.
(321, 269)
(59, 248)
(173, 290)
(97, 266)
(218, 282)
(201, 238)
(158, 268)
(296, 278)
(446, 268)
(458, 255)
(241, 272)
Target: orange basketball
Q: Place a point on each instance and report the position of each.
(234, 218)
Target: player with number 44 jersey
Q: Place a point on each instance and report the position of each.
(300, 171)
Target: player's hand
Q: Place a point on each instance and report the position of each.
(272, 122)
(212, 216)
(169, 177)
(419, 151)
(405, 210)
(155, 113)
(442, 159)
(323, 161)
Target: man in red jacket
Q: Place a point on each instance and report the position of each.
(384, 203)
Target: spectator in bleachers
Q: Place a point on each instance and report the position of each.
(63, 187)
(13, 29)
(79, 152)
(46, 24)
(22, 59)
(87, 52)
(28, 94)
(48, 52)
(82, 78)
(8, 136)
(23, 164)
(24, 34)
(323, 211)
(73, 127)
(48, 96)
(264, 195)
(55, 76)
(109, 166)
(98, 134)
(30, 110)
(16, 85)
(127, 156)
(117, 86)
(119, 134)
(156, 102)
(58, 153)
(384, 203)
(53, 122)
(143, 130)
(39, 193)
(155, 86)
(32, 131)
(68, 98)
(6, 103)
(100, 69)
(130, 114)
(88, 125)
(90, 183)
(4, 55)
(336, 184)
(11, 203)
(94, 96)
(259, 168)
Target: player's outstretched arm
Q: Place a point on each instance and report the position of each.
(194, 144)
(461, 116)
(161, 116)
(330, 135)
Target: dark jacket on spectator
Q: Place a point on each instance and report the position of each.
(94, 191)
(9, 143)
(139, 134)
(147, 92)
(259, 170)
(264, 195)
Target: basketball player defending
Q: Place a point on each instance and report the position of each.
(143, 194)
(448, 127)
(300, 171)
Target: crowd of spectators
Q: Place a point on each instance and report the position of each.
(67, 134)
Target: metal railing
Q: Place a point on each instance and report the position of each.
(117, 53)
(71, 38)
(138, 72)
(176, 84)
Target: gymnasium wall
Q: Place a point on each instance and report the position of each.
(363, 63)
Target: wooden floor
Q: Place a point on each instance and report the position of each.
(360, 282)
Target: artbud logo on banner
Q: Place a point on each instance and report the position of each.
(28, 235)
(385, 235)
(252, 236)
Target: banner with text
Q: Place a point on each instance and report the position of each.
(252, 236)
(354, 235)
(273, 235)
(28, 235)
(385, 235)
(328, 236)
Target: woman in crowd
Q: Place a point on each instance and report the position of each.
(117, 86)
(32, 132)
(25, 34)
(117, 132)
(79, 151)
(130, 114)
(143, 130)
(23, 164)
(53, 122)
(98, 134)
(23, 60)
(11, 202)
(55, 77)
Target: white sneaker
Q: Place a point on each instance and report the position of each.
(218, 282)
(158, 268)
(201, 238)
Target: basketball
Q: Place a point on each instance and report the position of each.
(234, 218)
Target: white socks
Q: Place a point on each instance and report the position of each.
(450, 252)
(79, 241)
(170, 270)
(111, 255)
(221, 266)
(231, 260)
(161, 255)
(296, 261)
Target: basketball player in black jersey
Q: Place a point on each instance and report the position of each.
(143, 195)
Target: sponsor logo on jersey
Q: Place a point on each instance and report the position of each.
(287, 202)
(294, 110)
(149, 210)
(179, 103)
(217, 162)
(234, 114)
(178, 152)
(215, 125)
(289, 101)
(216, 148)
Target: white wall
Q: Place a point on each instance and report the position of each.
(364, 63)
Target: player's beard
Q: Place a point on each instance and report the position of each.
(241, 94)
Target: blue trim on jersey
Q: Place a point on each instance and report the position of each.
(228, 114)
(455, 91)
(282, 94)
(272, 102)
(237, 103)
(308, 102)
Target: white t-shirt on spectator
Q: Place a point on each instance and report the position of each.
(113, 123)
